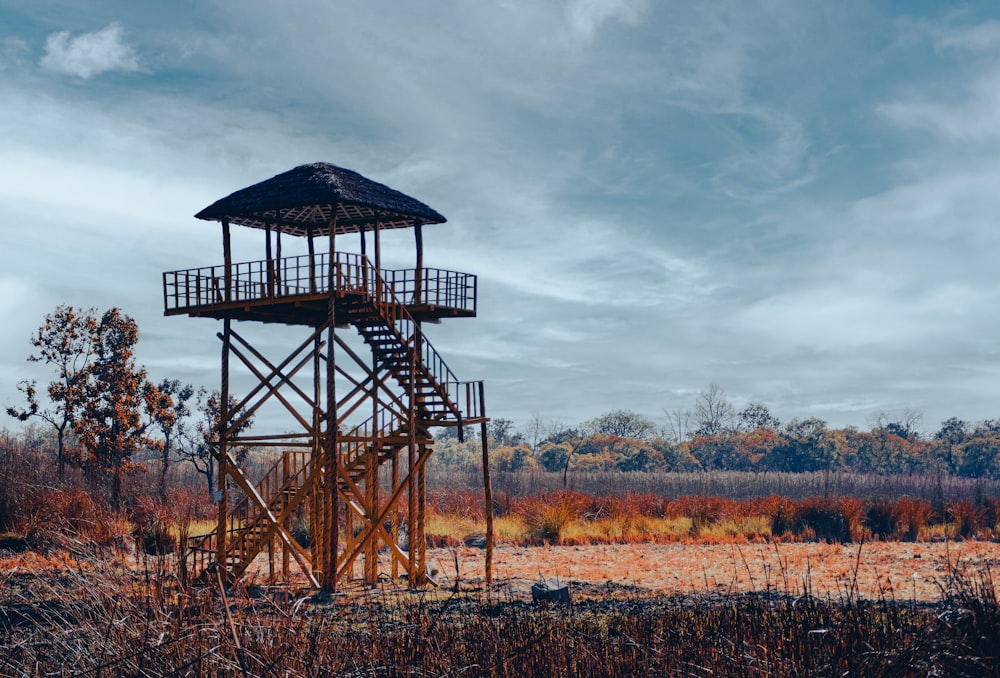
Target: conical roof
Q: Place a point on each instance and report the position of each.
(305, 200)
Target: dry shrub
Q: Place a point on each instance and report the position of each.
(966, 518)
(882, 519)
(991, 509)
(54, 512)
(548, 517)
(460, 501)
(912, 516)
(152, 520)
(830, 518)
(780, 511)
(646, 505)
(701, 511)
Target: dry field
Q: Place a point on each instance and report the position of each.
(901, 570)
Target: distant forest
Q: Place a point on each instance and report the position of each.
(715, 436)
(101, 417)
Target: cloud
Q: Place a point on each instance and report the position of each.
(90, 54)
(980, 37)
(586, 17)
(972, 116)
(12, 52)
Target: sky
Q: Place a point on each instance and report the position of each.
(796, 201)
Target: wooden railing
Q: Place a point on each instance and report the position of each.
(254, 281)
(463, 399)
(433, 287)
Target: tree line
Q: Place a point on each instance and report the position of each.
(103, 411)
(715, 436)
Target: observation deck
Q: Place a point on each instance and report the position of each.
(297, 290)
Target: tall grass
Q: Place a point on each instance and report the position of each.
(572, 517)
(728, 484)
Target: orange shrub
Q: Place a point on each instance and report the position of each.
(967, 517)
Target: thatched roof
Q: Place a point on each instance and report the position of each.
(305, 199)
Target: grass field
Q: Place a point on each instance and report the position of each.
(105, 619)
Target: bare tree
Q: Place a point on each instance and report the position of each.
(678, 426)
(905, 423)
(538, 429)
(713, 412)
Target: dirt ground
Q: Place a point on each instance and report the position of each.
(904, 571)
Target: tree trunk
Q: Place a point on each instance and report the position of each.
(164, 467)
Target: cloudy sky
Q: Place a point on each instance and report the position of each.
(797, 201)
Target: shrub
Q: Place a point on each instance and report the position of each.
(548, 517)
(912, 516)
(966, 518)
(882, 519)
(833, 519)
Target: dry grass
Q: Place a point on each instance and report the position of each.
(574, 518)
(110, 620)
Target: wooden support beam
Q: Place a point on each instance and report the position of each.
(411, 460)
(488, 490)
(372, 463)
(312, 262)
(273, 390)
(222, 496)
(275, 371)
(270, 262)
(227, 258)
(373, 520)
(418, 283)
(331, 462)
(364, 264)
(277, 259)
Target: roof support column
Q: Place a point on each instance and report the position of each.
(227, 254)
(312, 260)
(379, 292)
(277, 258)
(418, 277)
(269, 287)
(364, 260)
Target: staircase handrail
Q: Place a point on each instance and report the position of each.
(393, 311)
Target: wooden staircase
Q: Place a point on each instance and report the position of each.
(264, 513)
(262, 516)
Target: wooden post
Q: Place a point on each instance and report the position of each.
(379, 292)
(223, 437)
(371, 471)
(488, 491)
(332, 465)
(421, 537)
(284, 549)
(277, 257)
(394, 531)
(312, 262)
(364, 260)
(270, 262)
(227, 255)
(418, 277)
(411, 462)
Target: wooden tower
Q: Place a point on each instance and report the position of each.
(356, 434)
